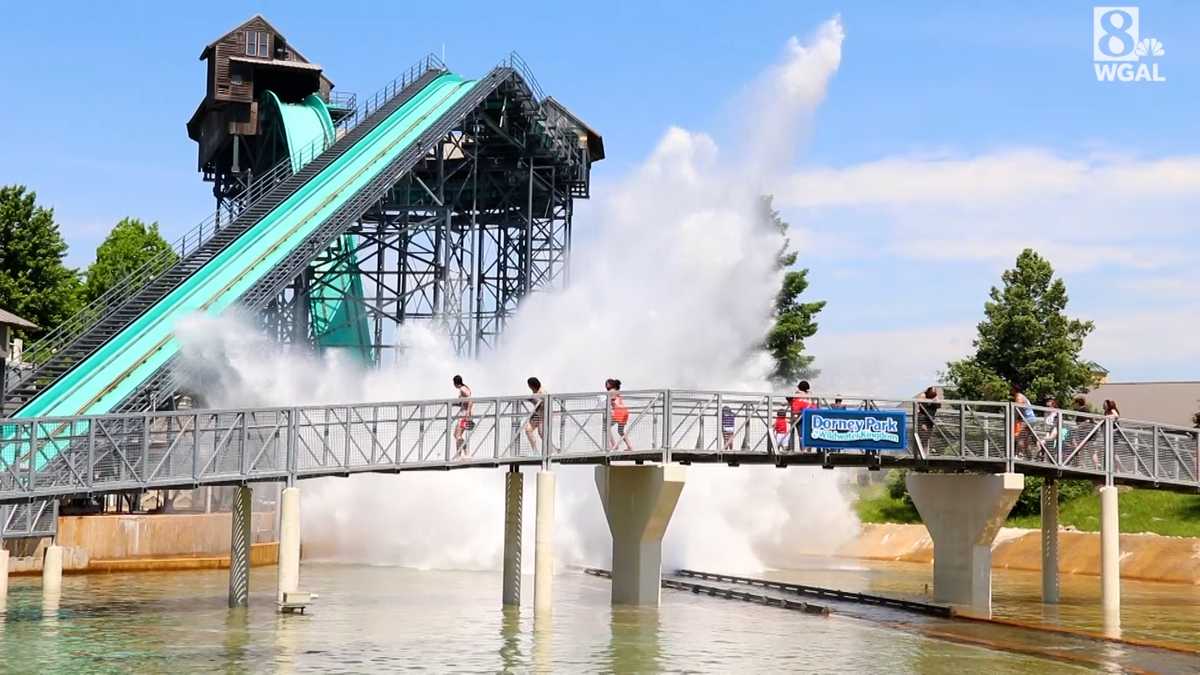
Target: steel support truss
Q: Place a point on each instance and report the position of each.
(483, 221)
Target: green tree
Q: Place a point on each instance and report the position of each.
(1026, 339)
(34, 282)
(794, 320)
(130, 245)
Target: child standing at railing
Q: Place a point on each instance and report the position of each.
(781, 429)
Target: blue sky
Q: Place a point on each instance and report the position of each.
(950, 137)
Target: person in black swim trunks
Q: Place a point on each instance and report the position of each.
(533, 428)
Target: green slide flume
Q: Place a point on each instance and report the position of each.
(117, 368)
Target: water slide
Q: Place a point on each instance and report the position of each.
(118, 367)
(335, 303)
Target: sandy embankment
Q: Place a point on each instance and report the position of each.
(1148, 557)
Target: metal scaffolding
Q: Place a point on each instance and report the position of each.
(481, 222)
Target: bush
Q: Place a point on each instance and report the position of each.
(896, 487)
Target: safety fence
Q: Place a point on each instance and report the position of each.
(53, 457)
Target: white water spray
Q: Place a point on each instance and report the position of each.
(673, 290)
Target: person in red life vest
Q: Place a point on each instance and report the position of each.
(782, 431)
(620, 413)
(799, 402)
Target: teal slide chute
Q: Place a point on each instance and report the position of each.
(336, 312)
(119, 366)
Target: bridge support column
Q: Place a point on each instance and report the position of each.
(543, 545)
(1050, 541)
(963, 513)
(514, 493)
(1110, 556)
(3, 577)
(52, 570)
(638, 502)
(239, 548)
(289, 542)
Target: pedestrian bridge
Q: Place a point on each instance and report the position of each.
(49, 458)
(968, 457)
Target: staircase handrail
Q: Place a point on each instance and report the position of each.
(40, 350)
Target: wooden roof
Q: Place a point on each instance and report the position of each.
(241, 26)
(302, 65)
(9, 319)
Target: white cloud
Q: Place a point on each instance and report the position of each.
(988, 179)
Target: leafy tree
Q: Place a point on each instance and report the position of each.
(34, 282)
(794, 320)
(129, 246)
(1025, 339)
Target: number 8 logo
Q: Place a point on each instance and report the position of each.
(1112, 31)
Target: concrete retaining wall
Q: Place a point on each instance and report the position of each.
(108, 543)
(1149, 557)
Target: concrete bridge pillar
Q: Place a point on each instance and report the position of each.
(543, 545)
(1110, 557)
(239, 548)
(963, 513)
(289, 542)
(514, 492)
(52, 570)
(3, 577)
(1050, 541)
(638, 502)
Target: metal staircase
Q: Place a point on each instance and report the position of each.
(97, 324)
(165, 381)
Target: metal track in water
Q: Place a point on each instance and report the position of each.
(929, 608)
(729, 594)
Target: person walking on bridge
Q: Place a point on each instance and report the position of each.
(465, 409)
(927, 410)
(800, 401)
(620, 413)
(1023, 419)
(533, 428)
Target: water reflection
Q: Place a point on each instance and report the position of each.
(543, 642)
(237, 634)
(378, 619)
(634, 641)
(510, 639)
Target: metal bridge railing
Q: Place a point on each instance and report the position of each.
(193, 239)
(50, 457)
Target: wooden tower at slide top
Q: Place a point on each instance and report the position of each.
(228, 124)
(482, 221)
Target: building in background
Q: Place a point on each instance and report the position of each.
(1163, 402)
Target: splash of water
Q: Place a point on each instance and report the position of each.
(673, 290)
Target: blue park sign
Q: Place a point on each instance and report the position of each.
(837, 429)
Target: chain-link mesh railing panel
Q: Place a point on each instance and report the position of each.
(1175, 452)
(693, 421)
(219, 439)
(15, 447)
(1132, 449)
(746, 423)
(577, 424)
(983, 434)
(320, 441)
(371, 431)
(116, 447)
(267, 441)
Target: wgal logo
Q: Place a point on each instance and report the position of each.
(1118, 53)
